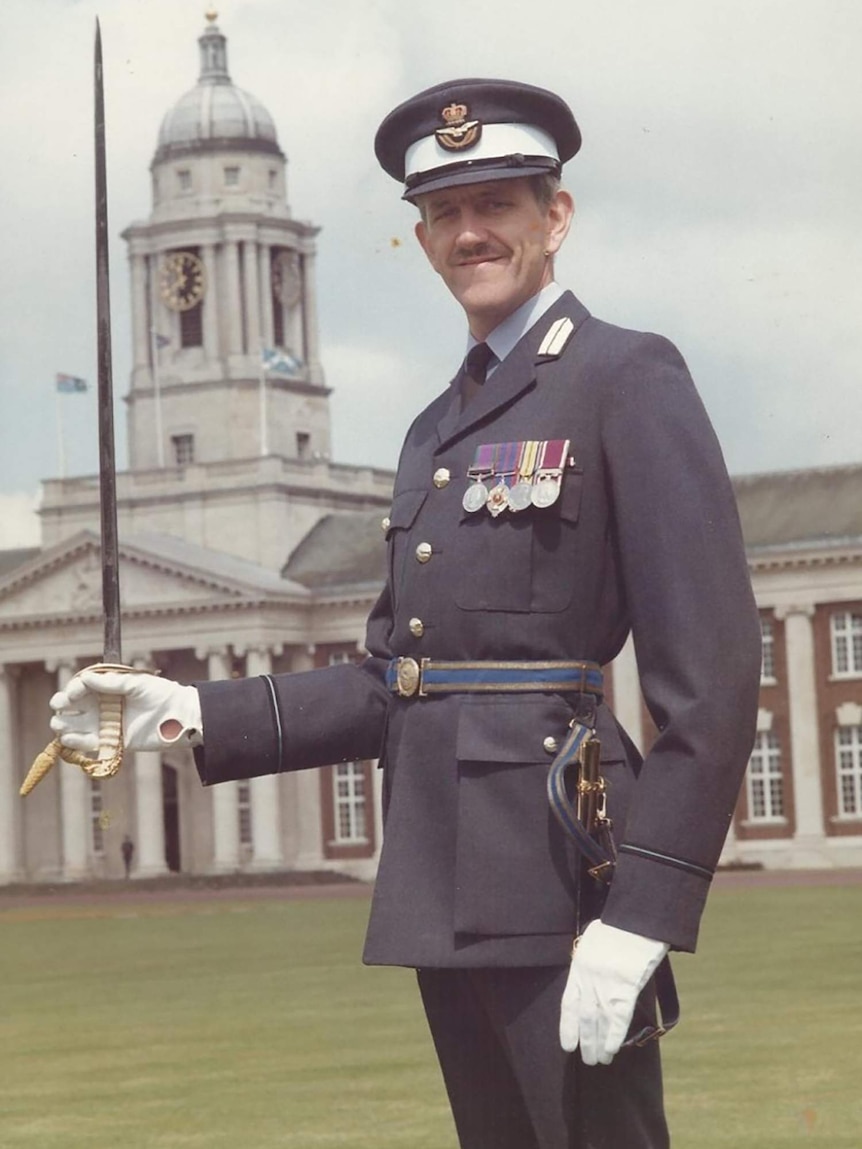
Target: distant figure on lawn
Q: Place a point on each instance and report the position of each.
(128, 849)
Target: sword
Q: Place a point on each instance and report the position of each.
(110, 754)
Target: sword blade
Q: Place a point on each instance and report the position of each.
(107, 464)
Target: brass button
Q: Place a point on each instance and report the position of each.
(551, 744)
(386, 523)
(423, 552)
(441, 477)
(416, 627)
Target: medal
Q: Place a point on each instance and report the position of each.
(498, 498)
(520, 496)
(505, 465)
(475, 497)
(481, 469)
(549, 473)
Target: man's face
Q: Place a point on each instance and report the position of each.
(492, 244)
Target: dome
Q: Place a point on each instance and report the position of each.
(215, 114)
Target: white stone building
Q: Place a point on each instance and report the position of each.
(244, 549)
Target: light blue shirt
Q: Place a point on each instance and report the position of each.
(514, 327)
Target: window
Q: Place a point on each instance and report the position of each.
(231, 177)
(192, 326)
(846, 643)
(97, 818)
(349, 797)
(184, 449)
(848, 757)
(243, 806)
(764, 781)
(273, 180)
(303, 445)
(184, 179)
(767, 642)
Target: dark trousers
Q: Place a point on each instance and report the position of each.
(510, 1084)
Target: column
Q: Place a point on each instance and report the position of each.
(310, 346)
(808, 840)
(225, 794)
(75, 806)
(232, 309)
(140, 311)
(252, 297)
(9, 800)
(628, 704)
(210, 306)
(309, 824)
(266, 327)
(149, 857)
(264, 792)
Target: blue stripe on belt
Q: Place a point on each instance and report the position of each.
(410, 678)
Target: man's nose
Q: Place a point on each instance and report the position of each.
(471, 230)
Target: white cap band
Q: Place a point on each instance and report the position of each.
(497, 140)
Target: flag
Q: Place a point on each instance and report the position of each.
(280, 362)
(161, 340)
(69, 384)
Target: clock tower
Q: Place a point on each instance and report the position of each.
(228, 411)
(225, 351)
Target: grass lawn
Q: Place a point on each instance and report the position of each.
(252, 1024)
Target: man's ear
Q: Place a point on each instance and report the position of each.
(421, 233)
(560, 213)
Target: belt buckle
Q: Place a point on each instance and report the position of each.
(408, 677)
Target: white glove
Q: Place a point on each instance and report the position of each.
(609, 969)
(157, 712)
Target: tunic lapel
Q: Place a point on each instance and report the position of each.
(515, 375)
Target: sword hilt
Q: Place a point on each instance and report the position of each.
(109, 757)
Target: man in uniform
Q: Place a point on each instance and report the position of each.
(566, 489)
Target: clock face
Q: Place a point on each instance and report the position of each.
(286, 277)
(182, 282)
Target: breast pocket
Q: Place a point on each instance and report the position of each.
(520, 561)
(406, 505)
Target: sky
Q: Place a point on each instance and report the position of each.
(717, 190)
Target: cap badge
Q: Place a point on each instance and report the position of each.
(459, 132)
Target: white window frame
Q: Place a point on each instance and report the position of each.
(845, 627)
(764, 781)
(183, 446)
(350, 805)
(848, 771)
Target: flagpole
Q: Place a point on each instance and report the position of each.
(157, 390)
(61, 453)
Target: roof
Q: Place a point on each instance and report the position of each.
(340, 550)
(218, 564)
(215, 114)
(817, 506)
(16, 557)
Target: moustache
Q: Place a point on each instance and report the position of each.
(476, 251)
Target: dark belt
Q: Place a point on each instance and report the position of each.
(410, 678)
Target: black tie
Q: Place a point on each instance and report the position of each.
(475, 370)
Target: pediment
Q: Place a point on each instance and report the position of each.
(67, 579)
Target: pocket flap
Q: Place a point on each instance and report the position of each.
(405, 507)
(510, 729)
